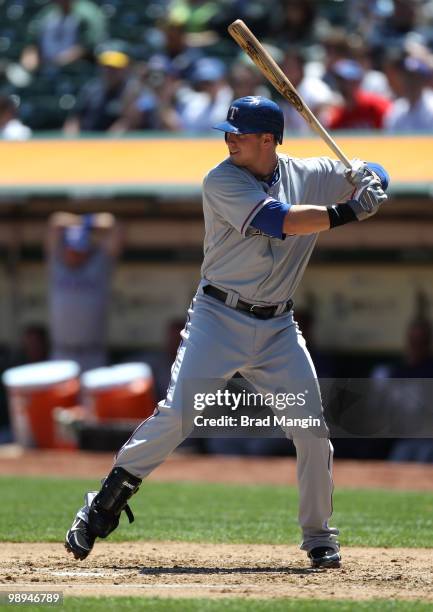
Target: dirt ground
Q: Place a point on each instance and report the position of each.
(169, 569)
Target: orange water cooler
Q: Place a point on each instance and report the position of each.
(34, 392)
(120, 392)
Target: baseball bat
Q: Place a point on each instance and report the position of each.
(268, 66)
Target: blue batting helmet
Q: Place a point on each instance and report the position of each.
(254, 115)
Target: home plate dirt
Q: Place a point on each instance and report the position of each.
(180, 569)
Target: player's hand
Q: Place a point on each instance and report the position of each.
(357, 171)
(368, 198)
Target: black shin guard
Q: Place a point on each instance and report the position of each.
(112, 499)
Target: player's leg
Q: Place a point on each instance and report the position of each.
(283, 363)
(214, 346)
(216, 342)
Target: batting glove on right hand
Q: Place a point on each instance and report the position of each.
(368, 198)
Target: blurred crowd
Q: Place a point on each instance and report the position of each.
(126, 65)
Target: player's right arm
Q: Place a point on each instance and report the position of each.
(276, 218)
(327, 198)
(305, 219)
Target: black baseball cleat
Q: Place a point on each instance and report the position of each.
(79, 540)
(325, 557)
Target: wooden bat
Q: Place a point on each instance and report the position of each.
(268, 66)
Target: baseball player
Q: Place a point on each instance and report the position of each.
(263, 212)
(81, 253)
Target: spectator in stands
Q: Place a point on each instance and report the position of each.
(196, 14)
(81, 253)
(156, 100)
(11, 128)
(316, 93)
(103, 101)
(363, 15)
(63, 32)
(413, 112)
(360, 109)
(246, 80)
(256, 13)
(375, 80)
(391, 67)
(294, 23)
(200, 108)
(405, 18)
(338, 45)
(207, 20)
(150, 102)
(177, 50)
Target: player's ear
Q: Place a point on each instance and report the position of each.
(269, 139)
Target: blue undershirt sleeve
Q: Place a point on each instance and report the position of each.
(270, 219)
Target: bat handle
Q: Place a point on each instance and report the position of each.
(331, 142)
(326, 137)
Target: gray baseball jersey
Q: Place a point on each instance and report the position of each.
(262, 269)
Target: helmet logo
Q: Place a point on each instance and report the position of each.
(254, 100)
(233, 111)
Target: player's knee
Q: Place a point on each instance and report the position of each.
(112, 499)
(176, 421)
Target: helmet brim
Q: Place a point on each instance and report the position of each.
(226, 126)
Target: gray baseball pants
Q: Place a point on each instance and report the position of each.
(218, 341)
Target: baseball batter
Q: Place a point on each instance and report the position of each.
(263, 212)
